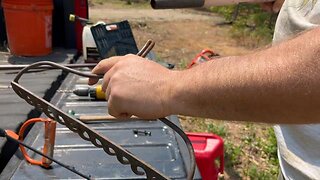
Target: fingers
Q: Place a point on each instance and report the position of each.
(102, 67)
(107, 92)
(114, 111)
(106, 78)
(111, 110)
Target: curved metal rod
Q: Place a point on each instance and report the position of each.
(185, 138)
(144, 48)
(49, 63)
(148, 49)
(21, 66)
(143, 53)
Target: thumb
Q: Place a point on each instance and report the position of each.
(102, 67)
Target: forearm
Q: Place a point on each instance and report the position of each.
(277, 85)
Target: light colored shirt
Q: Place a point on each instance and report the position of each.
(298, 145)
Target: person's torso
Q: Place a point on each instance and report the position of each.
(299, 145)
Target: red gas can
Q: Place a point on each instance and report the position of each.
(208, 148)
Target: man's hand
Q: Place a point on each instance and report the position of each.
(272, 6)
(135, 86)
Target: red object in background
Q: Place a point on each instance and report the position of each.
(208, 148)
(29, 26)
(203, 56)
(81, 10)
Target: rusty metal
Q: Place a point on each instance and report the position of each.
(12, 136)
(21, 66)
(146, 48)
(138, 166)
(49, 141)
(48, 147)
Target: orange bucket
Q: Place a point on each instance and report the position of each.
(29, 26)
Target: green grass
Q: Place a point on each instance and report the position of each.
(232, 154)
(253, 172)
(183, 63)
(270, 146)
(260, 144)
(253, 27)
(219, 129)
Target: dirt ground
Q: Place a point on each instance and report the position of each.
(179, 36)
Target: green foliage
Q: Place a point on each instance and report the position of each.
(262, 145)
(250, 137)
(270, 146)
(130, 2)
(254, 172)
(252, 27)
(218, 129)
(232, 154)
(226, 11)
(183, 64)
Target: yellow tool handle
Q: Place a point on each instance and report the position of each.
(99, 93)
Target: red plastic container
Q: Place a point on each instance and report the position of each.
(208, 148)
(81, 10)
(29, 26)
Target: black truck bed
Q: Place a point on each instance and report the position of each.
(163, 149)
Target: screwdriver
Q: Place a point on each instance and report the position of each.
(97, 93)
(93, 92)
